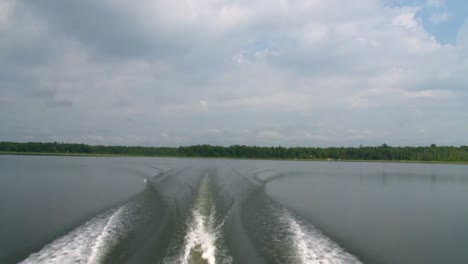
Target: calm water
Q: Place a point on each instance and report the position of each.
(151, 210)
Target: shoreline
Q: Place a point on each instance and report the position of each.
(13, 153)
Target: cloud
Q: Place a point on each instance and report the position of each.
(230, 72)
(59, 103)
(5, 102)
(435, 3)
(462, 39)
(44, 92)
(269, 135)
(406, 19)
(439, 18)
(204, 106)
(186, 108)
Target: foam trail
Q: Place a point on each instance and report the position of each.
(86, 244)
(203, 240)
(200, 239)
(109, 236)
(310, 245)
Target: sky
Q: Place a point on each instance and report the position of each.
(254, 72)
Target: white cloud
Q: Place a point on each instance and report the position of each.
(269, 135)
(462, 38)
(435, 3)
(204, 106)
(406, 19)
(6, 13)
(439, 18)
(396, 97)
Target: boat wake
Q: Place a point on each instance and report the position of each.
(187, 218)
(309, 244)
(89, 242)
(203, 242)
(282, 236)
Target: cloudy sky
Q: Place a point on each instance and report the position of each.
(264, 72)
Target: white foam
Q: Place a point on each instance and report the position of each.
(86, 244)
(204, 235)
(201, 237)
(110, 233)
(310, 245)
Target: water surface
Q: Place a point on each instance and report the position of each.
(161, 210)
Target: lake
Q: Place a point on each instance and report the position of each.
(170, 210)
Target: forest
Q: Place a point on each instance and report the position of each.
(383, 152)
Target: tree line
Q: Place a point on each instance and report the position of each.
(383, 152)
